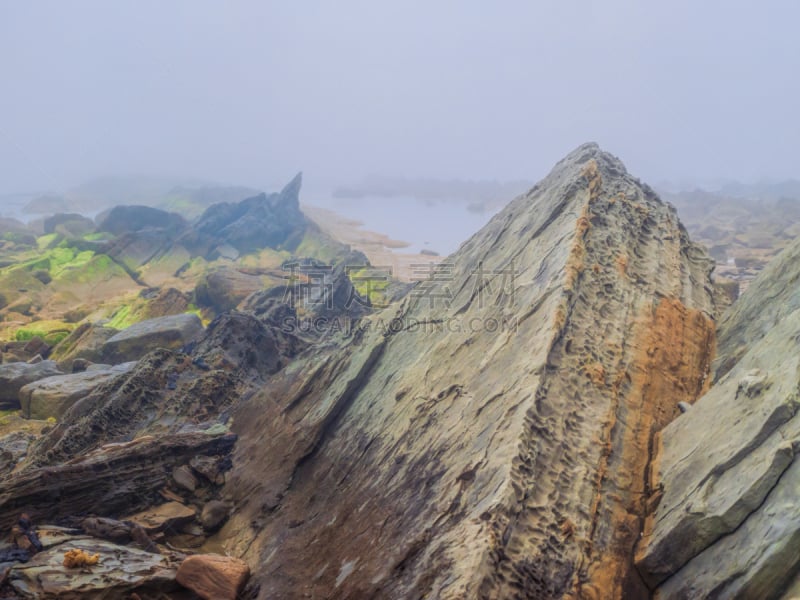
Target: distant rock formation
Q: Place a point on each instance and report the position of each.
(273, 220)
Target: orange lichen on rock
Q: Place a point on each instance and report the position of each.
(596, 373)
(75, 559)
(674, 347)
(591, 173)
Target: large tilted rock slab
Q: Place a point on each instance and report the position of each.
(728, 523)
(120, 570)
(53, 396)
(489, 436)
(13, 376)
(172, 331)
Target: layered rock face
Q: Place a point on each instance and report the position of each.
(490, 435)
(728, 524)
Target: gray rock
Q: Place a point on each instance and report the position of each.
(13, 376)
(53, 396)
(214, 515)
(119, 571)
(170, 332)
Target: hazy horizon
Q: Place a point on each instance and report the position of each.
(250, 93)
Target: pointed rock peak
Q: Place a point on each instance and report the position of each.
(591, 151)
(292, 190)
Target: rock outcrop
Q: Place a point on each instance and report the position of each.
(273, 220)
(728, 523)
(489, 435)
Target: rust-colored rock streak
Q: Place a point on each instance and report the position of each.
(672, 349)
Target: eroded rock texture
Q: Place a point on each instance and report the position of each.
(489, 436)
(728, 525)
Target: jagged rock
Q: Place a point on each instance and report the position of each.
(15, 375)
(170, 516)
(728, 524)
(213, 577)
(173, 331)
(85, 342)
(214, 514)
(273, 220)
(489, 435)
(53, 396)
(119, 571)
(125, 219)
(111, 480)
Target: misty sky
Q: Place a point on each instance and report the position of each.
(252, 92)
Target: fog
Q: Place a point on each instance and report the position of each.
(252, 92)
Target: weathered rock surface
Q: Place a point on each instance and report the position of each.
(13, 376)
(728, 523)
(112, 480)
(119, 571)
(53, 396)
(489, 436)
(213, 577)
(173, 331)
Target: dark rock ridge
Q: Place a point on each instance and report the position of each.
(489, 435)
(271, 220)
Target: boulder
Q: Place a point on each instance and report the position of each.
(224, 288)
(213, 577)
(14, 376)
(214, 514)
(85, 342)
(120, 571)
(53, 396)
(173, 332)
(165, 517)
